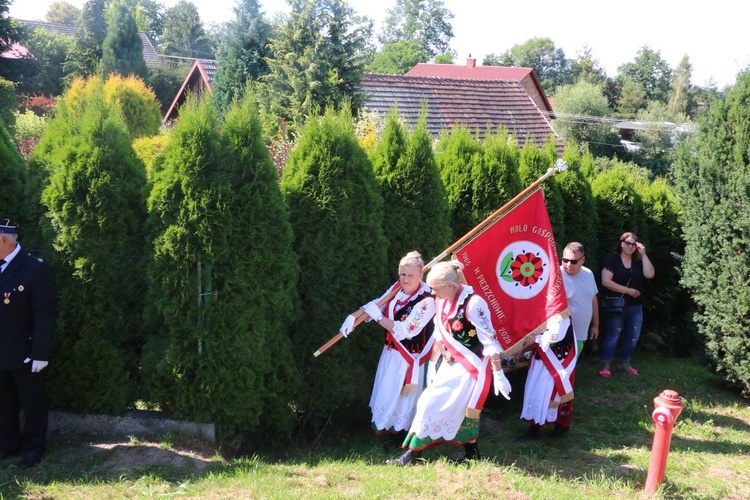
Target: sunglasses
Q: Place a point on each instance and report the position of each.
(571, 261)
(629, 243)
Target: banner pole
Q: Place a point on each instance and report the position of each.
(360, 316)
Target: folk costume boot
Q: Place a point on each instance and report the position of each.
(472, 452)
(408, 458)
(531, 434)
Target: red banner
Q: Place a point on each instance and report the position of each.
(514, 265)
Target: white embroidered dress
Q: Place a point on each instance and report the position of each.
(393, 407)
(455, 391)
(539, 403)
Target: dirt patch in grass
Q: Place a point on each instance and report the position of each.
(185, 455)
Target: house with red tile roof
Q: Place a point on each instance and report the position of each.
(482, 105)
(470, 71)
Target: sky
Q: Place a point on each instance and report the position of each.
(710, 34)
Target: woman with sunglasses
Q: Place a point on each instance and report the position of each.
(623, 275)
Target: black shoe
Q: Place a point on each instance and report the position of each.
(30, 459)
(6, 454)
(409, 457)
(559, 430)
(531, 434)
(472, 452)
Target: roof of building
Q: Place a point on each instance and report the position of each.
(200, 77)
(481, 105)
(470, 71)
(149, 53)
(17, 51)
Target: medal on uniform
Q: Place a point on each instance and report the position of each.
(7, 298)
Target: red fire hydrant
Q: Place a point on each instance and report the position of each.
(667, 407)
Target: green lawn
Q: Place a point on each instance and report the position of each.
(605, 454)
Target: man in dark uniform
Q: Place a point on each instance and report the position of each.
(27, 319)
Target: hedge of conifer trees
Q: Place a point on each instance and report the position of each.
(234, 277)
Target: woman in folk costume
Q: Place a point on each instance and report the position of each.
(407, 319)
(449, 408)
(549, 384)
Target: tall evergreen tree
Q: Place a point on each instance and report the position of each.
(580, 218)
(459, 153)
(712, 180)
(186, 217)
(533, 164)
(318, 60)
(619, 206)
(123, 49)
(417, 216)
(336, 213)
(242, 52)
(86, 55)
(94, 200)
(228, 215)
(9, 32)
(254, 264)
(498, 180)
(11, 177)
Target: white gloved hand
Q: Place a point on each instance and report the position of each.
(347, 326)
(501, 384)
(544, 340)
(373, 311)
(36, 366)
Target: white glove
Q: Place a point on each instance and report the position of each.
(347, 326)
(36, 366)
(544, 340)
(373, 311)
(501, 384)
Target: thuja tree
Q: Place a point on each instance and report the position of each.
(11, 177)
(667, 305)
(618, 205)
(459, 153)
(186, 216)
(580, 218)
(712, 180)
(336, 213)
(498, 181)
(253, 376)
(535, 161)
(416, 214)
(95, 209)
(137, 102)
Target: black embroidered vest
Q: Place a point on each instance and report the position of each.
(463, 330)
(415, 344)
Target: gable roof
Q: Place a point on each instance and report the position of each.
(17, 51)
(481, 105)
(470, 71)
(149, 53)
(199, 79)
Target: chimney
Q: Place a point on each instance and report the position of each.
(471, 61)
